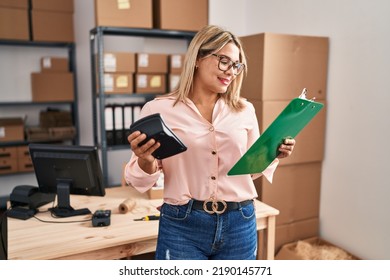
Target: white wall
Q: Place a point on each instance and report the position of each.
(355, 187)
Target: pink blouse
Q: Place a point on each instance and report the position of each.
(212, 149)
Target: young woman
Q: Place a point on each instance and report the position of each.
(206, 214)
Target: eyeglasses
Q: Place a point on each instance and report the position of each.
(225, 63)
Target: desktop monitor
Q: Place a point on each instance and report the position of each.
(65, 170)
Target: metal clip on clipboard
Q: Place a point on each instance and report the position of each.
(297, 114)
(303, 95)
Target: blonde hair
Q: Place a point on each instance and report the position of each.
(210, 39)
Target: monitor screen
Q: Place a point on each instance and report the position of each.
(66, 170)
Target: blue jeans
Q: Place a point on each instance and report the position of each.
(189, 234)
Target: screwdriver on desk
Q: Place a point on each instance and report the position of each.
(148, 218)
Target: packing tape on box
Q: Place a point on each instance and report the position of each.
(126, 206)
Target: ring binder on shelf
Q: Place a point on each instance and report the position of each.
(297, 114)
(109, 124)
(118, 125)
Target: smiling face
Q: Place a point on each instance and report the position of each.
(209, 78)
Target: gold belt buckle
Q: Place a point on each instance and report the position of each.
(214, 206)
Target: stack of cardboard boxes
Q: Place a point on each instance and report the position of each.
(15, 158)
(185, 15)
(51, 20)
(54, 125)
(40, 21)
(160, 14)
(118, 68)
(126, 72)
(58, 124)
(152, 69)
(54, 83)
(14, 23)
(279, 67)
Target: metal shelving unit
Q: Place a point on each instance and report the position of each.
(97, 69)
(70, 47)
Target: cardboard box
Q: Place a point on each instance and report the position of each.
(295, 191)
(186, 15)
(8, 165)
(50, 133)
(52, 87)
(118, 83)
(280, 66)
(124, 13)
(11, 129)
(313, 248)
(176, 62)
(152, 63)
(22, 151)
(14, 24)
(19, 4)
(53, 5)
(8, 152)
(25, 165)
(37, 133)
(295, 231)
(150, 83)
(310, 142)
(119, 62)
(50, 26)
(155, 193)
(55, 119)
(24, 159)
(54, 64)
(62, 133)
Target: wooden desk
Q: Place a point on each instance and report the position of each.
(33, 239)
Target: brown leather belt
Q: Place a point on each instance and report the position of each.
(218, 206)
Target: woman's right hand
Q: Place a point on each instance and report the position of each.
(146, 160)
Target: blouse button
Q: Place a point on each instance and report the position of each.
(213, 178)
(211, 128)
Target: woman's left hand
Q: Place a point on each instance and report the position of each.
(286, 148)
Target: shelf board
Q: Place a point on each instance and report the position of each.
(31, 103)
(36, 44)
(13, 143)
(130, 95)
(143, 32)
(26, 142)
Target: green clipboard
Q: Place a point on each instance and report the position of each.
(298, 113)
